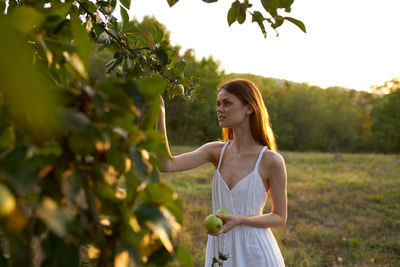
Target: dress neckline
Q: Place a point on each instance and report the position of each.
(255, 170)
(236, 185)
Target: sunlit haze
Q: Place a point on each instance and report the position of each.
(349, 43)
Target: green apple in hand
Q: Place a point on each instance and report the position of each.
(213, 223)
(223, 211)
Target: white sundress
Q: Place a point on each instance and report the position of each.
(245, 245)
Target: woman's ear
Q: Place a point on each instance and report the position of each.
(249, 110)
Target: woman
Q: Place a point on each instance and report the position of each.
(247, 168)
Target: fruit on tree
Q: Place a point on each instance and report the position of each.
(178, 90)
(7, 201)
(213, 223)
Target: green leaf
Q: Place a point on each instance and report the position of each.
(298, 23)
(24, 18)
(160, 221)
(283, 3)
(2, 9)
(183, 256)
(151, 86)
(74, 120)
(51, 149)
(15, 167)
(72, 189)
(215, 261)
(140, 162)
(278, 22)
(61, 9)
(141, 41)
(33, 109)
(54, 216)
(151, 115)
(131, 28)
(117, 159)
(126, 3)
(157, 34)
(59, 252)
(132, 183)
(12, 4)
(180, 65)
(114, 32)
(155, 142)
(82, 40)
(7, 137)
(241, 13)
(91, 7)
(269, 7)
(172, 2)
(110, 65)
(125, 17)
(222, 256)
(232, 13)
(126, 64)
(162, 56)
(258, 17)
(81, 143)
(157, 193)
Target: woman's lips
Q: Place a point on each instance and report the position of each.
(220, 118)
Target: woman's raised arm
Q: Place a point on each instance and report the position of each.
(188, 160)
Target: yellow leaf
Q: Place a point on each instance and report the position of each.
(124, 259)
(76, 63)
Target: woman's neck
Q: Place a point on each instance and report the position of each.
(242, 140)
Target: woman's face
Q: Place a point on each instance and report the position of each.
(230, 110)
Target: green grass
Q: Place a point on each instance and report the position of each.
(342, 212)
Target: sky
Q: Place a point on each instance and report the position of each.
(349, 43)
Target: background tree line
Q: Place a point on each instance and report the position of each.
(304, 117)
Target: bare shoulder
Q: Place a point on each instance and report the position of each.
(214, 150)
(272, 159)
(272, 163)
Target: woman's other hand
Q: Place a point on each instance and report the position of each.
(231, 220)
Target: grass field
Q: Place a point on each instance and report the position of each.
(342, 211)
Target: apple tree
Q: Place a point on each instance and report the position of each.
(78, 165)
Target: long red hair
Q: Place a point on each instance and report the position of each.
(260, 124)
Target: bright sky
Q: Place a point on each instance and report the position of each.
(349, 43)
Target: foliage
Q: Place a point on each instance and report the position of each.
(388, 87)
(386, 123)
(303, 117)
(77, 153)
(272, 13)
(221, 258)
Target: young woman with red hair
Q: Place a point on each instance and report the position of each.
(247, 168)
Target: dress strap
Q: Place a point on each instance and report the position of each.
(222, 153)
(259, 158)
